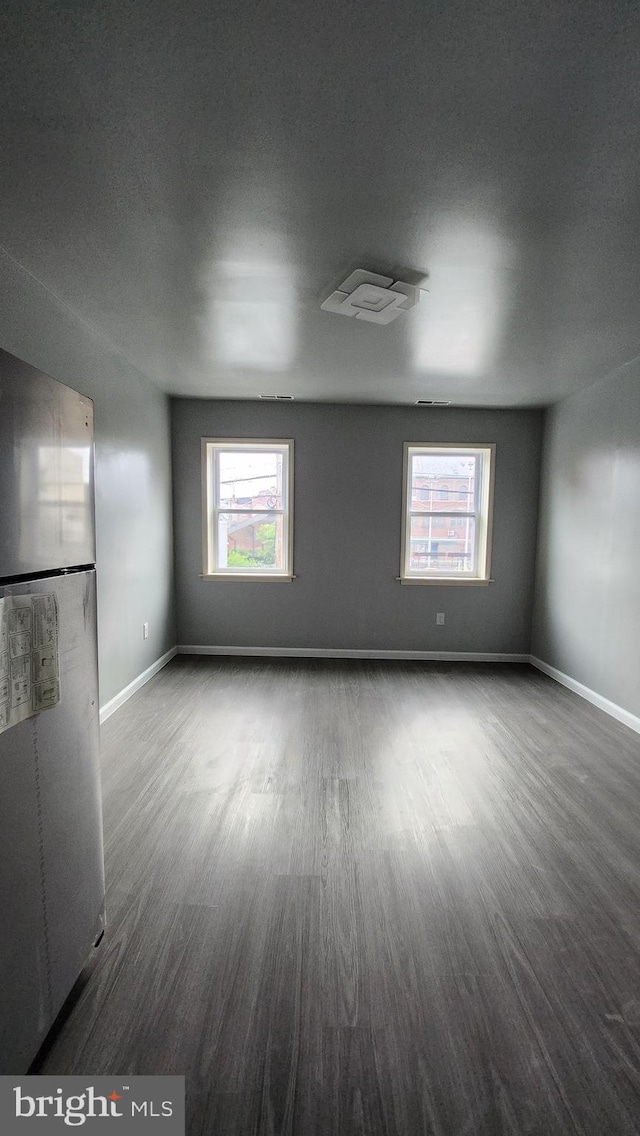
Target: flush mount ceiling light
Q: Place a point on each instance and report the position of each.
(368, 296)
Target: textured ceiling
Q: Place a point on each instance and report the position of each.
(194, 179)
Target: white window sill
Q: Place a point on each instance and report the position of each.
(244, 577)
(445, 581)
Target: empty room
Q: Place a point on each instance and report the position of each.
(320, 568)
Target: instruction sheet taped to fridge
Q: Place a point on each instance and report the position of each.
(29, 662)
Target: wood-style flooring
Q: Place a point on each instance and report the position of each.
(352, 897)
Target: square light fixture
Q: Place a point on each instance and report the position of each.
(371, 297)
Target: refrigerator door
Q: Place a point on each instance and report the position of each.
(46, 473)
(51, 857)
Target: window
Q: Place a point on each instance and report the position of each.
(247, 493)
(440, 545)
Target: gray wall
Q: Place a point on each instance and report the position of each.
(133, 482)
(587, 610)
(348, 489)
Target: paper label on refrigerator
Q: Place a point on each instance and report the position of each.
(29, 659)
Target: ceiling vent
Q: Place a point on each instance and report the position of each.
(277, 397)
(371, 297)
(433, 402)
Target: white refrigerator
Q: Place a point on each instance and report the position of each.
(51, 851)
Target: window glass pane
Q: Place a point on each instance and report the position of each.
(442, 544)
(250, 478)
(443, 481)
(251, 542)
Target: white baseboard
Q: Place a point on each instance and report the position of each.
(612, 708)
(347, 653)
(114, 704)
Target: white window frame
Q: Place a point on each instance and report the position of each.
(482, 513)
(211, 448)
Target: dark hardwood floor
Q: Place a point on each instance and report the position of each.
(361, 897)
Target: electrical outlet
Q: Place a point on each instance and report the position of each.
(145, 630)
(440, 618)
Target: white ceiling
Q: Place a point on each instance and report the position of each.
(195, 178)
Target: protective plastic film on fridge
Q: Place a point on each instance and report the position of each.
(51, 854)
